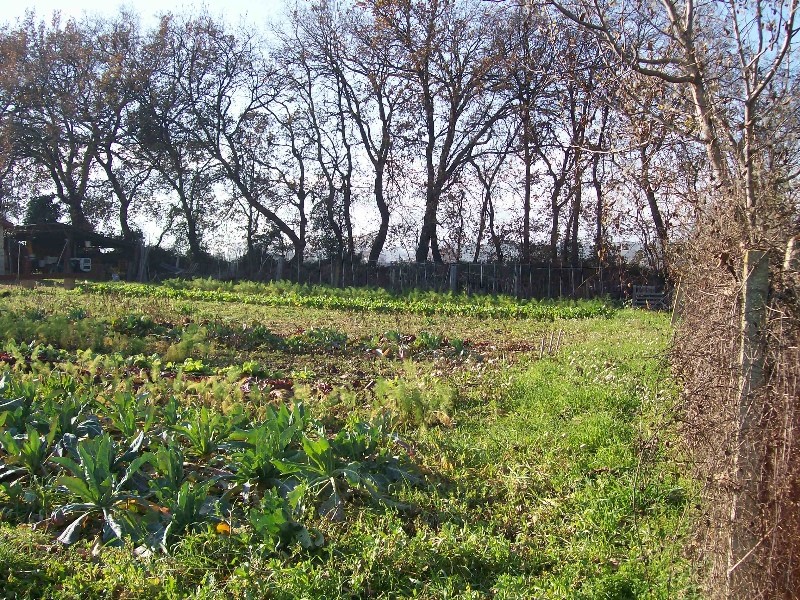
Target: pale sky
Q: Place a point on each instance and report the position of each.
(254, 12)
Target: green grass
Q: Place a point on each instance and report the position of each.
(552, 478)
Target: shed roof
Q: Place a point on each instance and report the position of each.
(63, 229)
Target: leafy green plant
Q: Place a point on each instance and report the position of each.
(393, 336)
(415, 400)
(102, 491)
(428, 341)
(135, 325)
(326, 339)
(192, 366)
(16, 402)
(327, 478)
(77, 314)
(321, 339)
(459, 347)
(171, 412)
(17, 498)
(253, 368)
(128, 415)
(45, 353)
(427, 303)
(185, 510)
(365, 443)
(259, 447)
(360, 439)
(272, 521)
(29, 451)
(168, 463)
(259, 334)
(34, 314)
(303, 375)
(29, 499)
(15, 414)
(205, 432)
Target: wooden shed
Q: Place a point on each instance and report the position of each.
(56, 250)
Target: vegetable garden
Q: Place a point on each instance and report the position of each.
(250, 440)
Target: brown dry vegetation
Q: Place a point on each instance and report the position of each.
(707, 360)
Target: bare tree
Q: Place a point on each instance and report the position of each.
(449, 57)
(230, 91)
(117, 90)
(356, 56)
(529, 58)
(692, 47)
(163, 137)
(488, 169)
(51, 89)
(317, 93)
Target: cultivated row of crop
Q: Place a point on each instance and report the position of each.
(132, 334)
(405, 398)
(352, 300)
(88, 453)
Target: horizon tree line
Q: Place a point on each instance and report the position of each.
(464, 129)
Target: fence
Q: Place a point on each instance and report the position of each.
(537, 280)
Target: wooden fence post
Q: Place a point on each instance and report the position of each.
(454, 278)
(677, 303)
(336, 271)
(279, 266)
(141, 272)
(791, 261)
(746, 535)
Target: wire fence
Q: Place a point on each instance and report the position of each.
(535, 280)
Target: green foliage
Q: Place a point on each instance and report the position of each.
(43, 209)
(319, 339)
(360, 300)
(205, 432)
(414, 401)
(428, 341)
(550, 478)
(168, 463)
(185, 510)
(258, 448)
(29, 451)
(136, 325)
(190, 366)
(272, 521)
(326, 477)
(15, 413)
(99, 488)
(70, 331)
(254, 369)
(192, 341)
(77, 314)
(128, 414)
